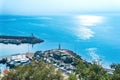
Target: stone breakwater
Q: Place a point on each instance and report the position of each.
(19, 39)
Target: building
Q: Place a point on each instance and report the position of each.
(17, 59)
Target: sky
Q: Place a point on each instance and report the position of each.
(58, 7)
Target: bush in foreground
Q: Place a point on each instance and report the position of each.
(34, 71)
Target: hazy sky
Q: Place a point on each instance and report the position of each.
(56, 7)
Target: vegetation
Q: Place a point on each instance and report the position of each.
(72, 77)
(34, 71)
(116, 73)
(43, 71)
(93, 71)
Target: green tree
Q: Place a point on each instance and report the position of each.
(81, 69)
(34, 71)
(87, 71)
(116, 72)
(96, 72)
(72, 77)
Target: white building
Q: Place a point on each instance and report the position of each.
(19, 57)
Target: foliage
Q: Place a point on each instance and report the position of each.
(86, 71)
(72, 77)
(116, 73)
(57, 56)
(68, 60)
(34, 71)
(45, 71)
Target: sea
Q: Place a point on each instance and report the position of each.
(93, 37)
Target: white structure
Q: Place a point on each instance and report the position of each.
(19, 57)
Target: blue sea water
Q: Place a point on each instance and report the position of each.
(84, 36)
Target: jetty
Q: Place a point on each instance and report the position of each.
(19, 39)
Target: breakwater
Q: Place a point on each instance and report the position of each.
(19, 39)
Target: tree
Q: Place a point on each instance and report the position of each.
(87, 71)
(34, 71)
(72, 77)
(116, 72)
(81, 69)
(96, 72)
